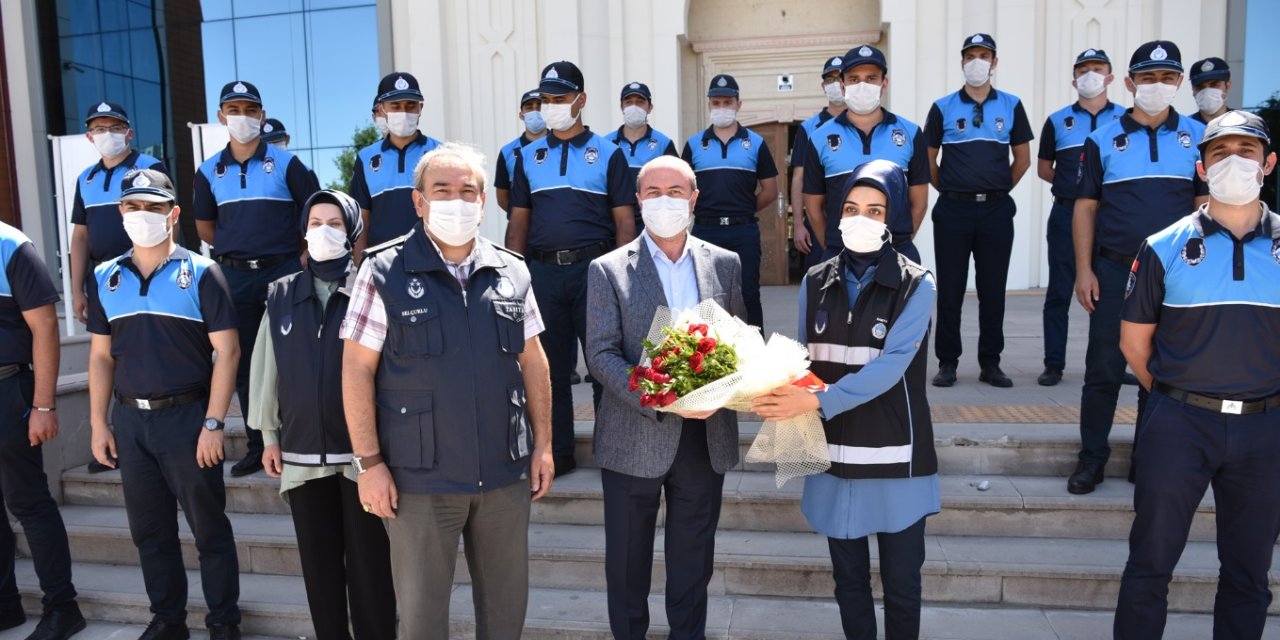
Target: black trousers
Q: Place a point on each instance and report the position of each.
(345, 560)
(1104, 365)
(693, 490)
(901, 556)
(25, 491)
(983, 230)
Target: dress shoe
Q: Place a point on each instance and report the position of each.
(1133, 472)
(565, 465)
(159, 630)
(59, 624)
(946, 375)
(1087, 476)
(1130, 379)
(98, 467)
(1051, 376)
(252, 463)
(995, 377)
(589, 379)
(574, 378)
(224, 632)
(12, 618)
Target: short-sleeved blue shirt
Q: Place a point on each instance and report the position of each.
(507, 156)
(800, 146)
(728, 172)
(975, 139)
(1062, 141)
(382, 182)
(257, 206)
(651, 145)
(97, 204)
(25, 284)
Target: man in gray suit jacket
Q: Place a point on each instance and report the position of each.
(642, 453)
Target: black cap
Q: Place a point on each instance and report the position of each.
(1091, 55)
(239, 90)
(398, 85)
(1236, 123)
(832, 64)
(864, 54)
(723, 85)
(530, 95)
(1209, 69)
(107, 110)
(1156, 55)
(559, 78)
(635, 89)
(273, 130)
(147, 185)
(979, 40)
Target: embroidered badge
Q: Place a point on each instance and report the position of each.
(864, 51)
(999, 125)
(104, 107)
(401, 83)
(746, 144)
(1193, 253)
(1120, 143)
(1128, 286)
(879, 331)
(820, 322)
(286, 326)
(240, 88)
(1184, 139)
(899, 137)
(268, 128)
(505, 288)
(591, 155)
(653, 144)
(961, 125)
(141, 180)
(1275, 250)
(219, 170)
(540, 155)
(1159, 53)
(1069, 122)
(268, 164)
(415, 289)
(113, 282)
(375, 163)
(551, 73)
(722, 82)
(1207, 66)
(184, 279)
(833, 141)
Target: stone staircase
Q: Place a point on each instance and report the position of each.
(1022, 559)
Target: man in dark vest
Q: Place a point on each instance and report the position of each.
(442, 338)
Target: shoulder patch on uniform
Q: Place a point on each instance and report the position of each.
(394, 242)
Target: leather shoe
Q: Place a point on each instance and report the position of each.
(1130, 379)
(1087, 476)
(12, 618)
(1051, 376)
(946, 375)
(995, 377)
(160, 630)
(59, 624)
(252, 463)
(224, 632)
(574, 378)
(565, 465)
(98, 467)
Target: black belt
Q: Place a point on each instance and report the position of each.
(570, 256)
(11, 370)
(724, 221)
(162, 403)
(1067, 201)
(975, 197)
(1123, 259)
(256, 263)
(1237, 407)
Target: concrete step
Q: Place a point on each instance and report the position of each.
(109, 631)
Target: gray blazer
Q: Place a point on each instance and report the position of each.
(623, 293)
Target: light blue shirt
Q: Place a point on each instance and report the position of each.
(847, 509)
(679, 280)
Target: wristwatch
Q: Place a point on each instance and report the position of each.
(213, 424)
(365, 463)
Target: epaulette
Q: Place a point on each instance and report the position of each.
(376, 249)
(518, 256)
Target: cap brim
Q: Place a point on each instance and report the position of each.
(112, 115)
(233, 97)
(273, 136)
(722, 93)
(861, 62)
(1093, 59)
(1210, 76)
(148, 195)
(401, 94)
(556, 87)
(982, 45)
(1156, 65)
(634, 92)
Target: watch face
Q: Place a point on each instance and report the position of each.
(211, 424)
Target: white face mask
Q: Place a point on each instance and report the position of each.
(146, 228)
(380, 122)
(977, 72)
(243, 128)
(454, 222)
(559, 117)
(1209, 100)
(534, 122)
(835, 95)
(664, 216)
(1091, 84)
(862, 98)
(326, 243)
(1234, 180)
(723, 117)
(634, 116)
(111, 145)
(862, 234)
(402, 123)
(1154, 98)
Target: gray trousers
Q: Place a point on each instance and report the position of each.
(424, 551)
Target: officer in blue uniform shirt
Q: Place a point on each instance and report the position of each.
(96, 233)
(28, 418)
(535, 128)
(572, 200)
(801, 229)
(275, 134)
(1200, 316)
(635, 137)
(975, 129)
(738, 178)
(159, 315)
(247, 200)
(1061, 144)
(1137, 176)
(865, 131)
(382, 177)
(1210, 84)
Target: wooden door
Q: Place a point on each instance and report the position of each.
(773, 222)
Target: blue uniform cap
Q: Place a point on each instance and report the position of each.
(147, 185)
(864, 54)
(1236, 123)
(1209, 69)
(559, 78)
(107, 110)
(979, 40)
(636, 89)
(273, 130)
(832, 64)
(1156, 55)
(1092, 55)
(530, 95)
(239, 90)
(723, 84)
(398, 85)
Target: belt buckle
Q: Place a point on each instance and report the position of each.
(143, 404)
(979, 197)
(561, 258)
(1232, 406)
(724, 221)
(253, 264)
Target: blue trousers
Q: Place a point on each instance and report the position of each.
(901, 556)
(983, 231)
(1104, 366)
(1185, 450)
(561, 291)
(1062, 285)
(744, 240)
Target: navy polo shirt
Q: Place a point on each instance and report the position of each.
(24, 285)
(382, 182)
(160, 325)
(975, 140)
(1215, 301)
(256, 205)
(1062, 141)
(506, 169)
(800, 146)
(838, 147)
(651, 145)
(1143, 179)
(728, 172)
(570, 187)
(97, 204)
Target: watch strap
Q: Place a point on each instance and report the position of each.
(365, 463)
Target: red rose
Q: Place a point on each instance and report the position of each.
(662, 378)
(648, 400)
(667, 398)
(705, 345)
(698, 328)
(695, 362)
(657, 363)
(633, 382)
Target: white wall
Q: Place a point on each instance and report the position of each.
(27, 122)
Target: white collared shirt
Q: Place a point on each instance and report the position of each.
(679, 279)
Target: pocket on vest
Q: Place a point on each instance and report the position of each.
(510, 318)
(414, 330)
(406, 429)
(518, 437)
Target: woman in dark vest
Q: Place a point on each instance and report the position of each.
(865, 316)
(296, 383)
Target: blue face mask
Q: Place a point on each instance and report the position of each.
(534, 122)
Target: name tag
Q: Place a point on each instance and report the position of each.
(510, 309)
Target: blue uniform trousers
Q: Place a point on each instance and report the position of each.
(1062, 284)
(1104, 366)
(901, 556)
(1184, 450)
(561, 291)
(744, 240)
(983, 230)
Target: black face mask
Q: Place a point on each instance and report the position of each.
(330, 270)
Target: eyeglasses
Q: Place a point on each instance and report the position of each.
(115, 128)
(977, 116)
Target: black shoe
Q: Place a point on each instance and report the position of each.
(946, 375)
(11, 619)
(158, 630)
(1087, 476)
(589, 379)
(224, 632)
(98, 467)
(252, 463)
(59, 624)
(565, 465)
(1133, 472)
(995, 377)
(1051, 376)
(1130, 379)
(574, 378)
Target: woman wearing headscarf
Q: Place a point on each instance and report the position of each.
(864, 315)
